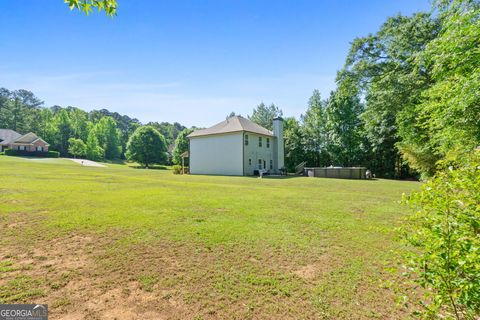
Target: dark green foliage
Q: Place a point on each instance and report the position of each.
(294, 143)
(62, 132)
(169, 131)
(21, 111)
(147, 146)
(17, 109)
(52, 154)
(47, 154)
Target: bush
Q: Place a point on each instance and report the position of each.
(45, 154)
(177, 169)
(52, 154)
(446, 231)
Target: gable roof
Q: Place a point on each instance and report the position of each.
(29, 138)
(232, 124)
(7, 136)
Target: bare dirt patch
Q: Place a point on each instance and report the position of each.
(318, 268)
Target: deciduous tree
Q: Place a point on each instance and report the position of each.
(181, 145)
(77, 147)
(147, 146)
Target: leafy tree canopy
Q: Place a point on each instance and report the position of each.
(147, 146)
(264, 115)
(87, 6)
(181, 145)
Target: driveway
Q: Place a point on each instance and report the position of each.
(88, 163)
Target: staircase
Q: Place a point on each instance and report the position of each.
(299, 168)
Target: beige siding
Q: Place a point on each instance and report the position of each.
(253, 153)
(217, 154)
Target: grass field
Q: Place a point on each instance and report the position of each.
(123, 243)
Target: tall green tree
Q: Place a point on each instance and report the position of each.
(108, 137)
(450, 109)
(344, 127)
(63, 132)
(169, 131)
(384, 69)
(77, 147)
(79, 122)
(181, 145)
(4, 111)
(264, 115)
(294, 143)
(147, 146)
(93, 150)
(125, 124)
(315, 131)
(17, 110)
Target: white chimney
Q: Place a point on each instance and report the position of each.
(279, 152)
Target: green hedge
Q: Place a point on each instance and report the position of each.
(43, 154)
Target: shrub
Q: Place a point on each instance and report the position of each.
(446, 231)
(52, 154)
(45, 154)
(177, 169)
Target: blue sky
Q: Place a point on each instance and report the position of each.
(187, 61)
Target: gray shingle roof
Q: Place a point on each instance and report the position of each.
(7, 136)
(232, 124)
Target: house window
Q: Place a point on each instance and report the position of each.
(259, 163)
(246, 139)
(39, 148)
(21, 148)
(249, 162)
(260, 141)
(268, 142)
(264, 164)
(271, 164)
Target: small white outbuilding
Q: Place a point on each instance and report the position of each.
(237, 147)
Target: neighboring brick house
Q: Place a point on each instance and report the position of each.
(6, 137)
(29, 142)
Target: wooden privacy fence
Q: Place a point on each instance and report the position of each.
(336, 172)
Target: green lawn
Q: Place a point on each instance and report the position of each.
(119, 242)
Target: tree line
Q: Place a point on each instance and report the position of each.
(406, 98)
(96, 135)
